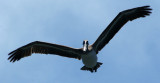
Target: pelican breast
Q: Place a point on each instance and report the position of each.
(89, 59)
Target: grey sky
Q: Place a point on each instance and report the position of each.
(132, 56)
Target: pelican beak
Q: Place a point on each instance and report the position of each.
(85, 45)
(85, 48)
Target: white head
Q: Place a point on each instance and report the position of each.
(85, 45)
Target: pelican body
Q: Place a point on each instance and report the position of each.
(89, 58)
(88, 53)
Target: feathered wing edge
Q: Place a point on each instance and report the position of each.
(44, 48)
(121, 19)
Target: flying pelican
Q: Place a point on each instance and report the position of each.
(88, 53)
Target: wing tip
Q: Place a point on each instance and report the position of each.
(142, 11)
(13, 59)
(14, 55)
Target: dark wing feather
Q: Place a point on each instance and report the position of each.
(43, 48)
(121, 19)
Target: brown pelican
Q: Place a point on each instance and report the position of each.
(88, 53)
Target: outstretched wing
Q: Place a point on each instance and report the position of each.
(44, 48)
(121, 19)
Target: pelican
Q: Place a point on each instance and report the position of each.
(88, 53)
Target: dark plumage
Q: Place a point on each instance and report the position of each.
(44, 48)
(121, 19)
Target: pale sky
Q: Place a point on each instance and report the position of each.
(132, 56)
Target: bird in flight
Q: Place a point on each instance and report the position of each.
(88, 53)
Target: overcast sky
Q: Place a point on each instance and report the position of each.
(132, 56)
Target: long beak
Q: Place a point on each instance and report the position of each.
(85, 47)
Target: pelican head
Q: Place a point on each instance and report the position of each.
(85, 45)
